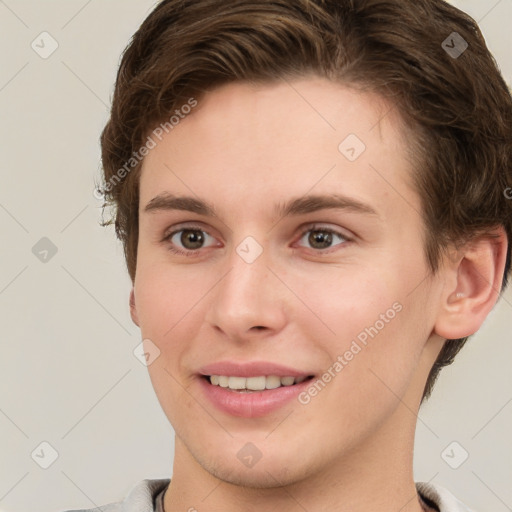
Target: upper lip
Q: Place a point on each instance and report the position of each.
(251, 369)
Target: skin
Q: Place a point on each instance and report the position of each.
(244, 150)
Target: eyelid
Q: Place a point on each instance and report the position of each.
(169, 233)
(318, 226)
(322, 227)
(176, 249)
(176, 228)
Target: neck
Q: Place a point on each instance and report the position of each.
(376, 476)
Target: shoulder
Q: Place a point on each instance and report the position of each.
(140, 498)
(442, 498)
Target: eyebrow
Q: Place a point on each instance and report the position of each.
(314, 203)
(168, 201)
(298, 206)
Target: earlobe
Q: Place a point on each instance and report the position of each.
(133, 308)
(474, 287)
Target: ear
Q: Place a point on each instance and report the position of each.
(472, 286)
(133, 309)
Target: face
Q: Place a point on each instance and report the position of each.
(281, 244)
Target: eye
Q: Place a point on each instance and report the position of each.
(188, 240)
(321, 238)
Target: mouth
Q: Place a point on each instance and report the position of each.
(254, 384)
(254, 396)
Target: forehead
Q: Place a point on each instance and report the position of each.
(259, 143)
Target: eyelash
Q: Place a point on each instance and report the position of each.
(192, 252)
(181, 252)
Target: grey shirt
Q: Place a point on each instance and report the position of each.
(147, 496)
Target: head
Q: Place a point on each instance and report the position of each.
(245, 107)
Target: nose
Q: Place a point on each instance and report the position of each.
(249, 301)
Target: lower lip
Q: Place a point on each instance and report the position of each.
(253, 404)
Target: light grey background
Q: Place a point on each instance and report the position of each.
(69, 375)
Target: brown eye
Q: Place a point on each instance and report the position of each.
(188, 240)
(322, 238)
(192, 239)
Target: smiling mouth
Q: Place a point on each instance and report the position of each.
(254, 384)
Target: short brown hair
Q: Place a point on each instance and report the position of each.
(456, 102)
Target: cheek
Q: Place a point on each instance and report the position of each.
(367, 322)
(168, 303)
(345, 301)
(371, 358)
(165, 296)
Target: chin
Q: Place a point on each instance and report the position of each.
(268, 472)
(268, 476)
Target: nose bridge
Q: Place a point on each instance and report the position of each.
(247, 296)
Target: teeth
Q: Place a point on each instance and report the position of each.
(254, 383)
(236, 382)
(272, 382)
(288, 381)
